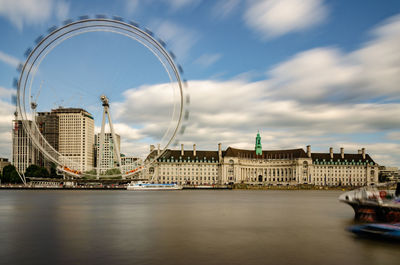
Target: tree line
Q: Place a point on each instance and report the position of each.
(10, 175)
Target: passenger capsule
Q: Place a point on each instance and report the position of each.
(180, 69)
(118, 18)
(68, 21)
(15, 83)
(27, 52)
(83, 17)
(53, 28)
(101, 16)
(172, 55)
(39, 39)
(133, 23)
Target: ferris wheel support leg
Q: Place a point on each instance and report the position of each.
(100, 153)
(116, 147)
(22, 177)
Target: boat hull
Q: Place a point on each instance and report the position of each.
(145, 186)
(368, 206)
(375, 213)
(153, 188)
(377, 231)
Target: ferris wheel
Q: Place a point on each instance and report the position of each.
(27, 100)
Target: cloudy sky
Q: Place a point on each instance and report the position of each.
(324, 73)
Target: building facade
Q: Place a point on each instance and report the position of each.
(3, 162)
(48, 125)
(130, 162)
(76, 137)
(109, 159)
(265, 167)
(295, 166)
(189, 167)
(23, 152)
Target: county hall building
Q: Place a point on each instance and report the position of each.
(265, 167)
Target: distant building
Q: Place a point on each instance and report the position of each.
(109, 159)
(3, 162)
(187, 167)
(130, 162)
(389, 173)
(48, 125)
(23, 152)
(295, 166)
(265, 167)
(76, 137)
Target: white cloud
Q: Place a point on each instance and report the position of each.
(208, 59)
(7, 93)
(131, 6)
(272, 18)
(393, 136)
(180, 4)
(332, 76)
(28, 12)
(62, 10)
(179, 38)
(6, 117)
(319, 97)
(225, 8)
(8, 59)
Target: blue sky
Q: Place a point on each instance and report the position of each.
(324, 73)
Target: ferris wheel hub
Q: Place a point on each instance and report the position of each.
(104, 100)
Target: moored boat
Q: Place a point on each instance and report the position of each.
(376, 230)
(144, 185)
(374, 204)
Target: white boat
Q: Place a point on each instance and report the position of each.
(144, 185)
(374, 203)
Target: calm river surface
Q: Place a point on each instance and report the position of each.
(183, 227)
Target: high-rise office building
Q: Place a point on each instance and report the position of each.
(23, 152)
(76, 137)
(109, 159)
(48, 125)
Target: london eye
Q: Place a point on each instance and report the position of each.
(31, 97)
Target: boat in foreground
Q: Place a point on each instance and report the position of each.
(374, 204)
(377, 231)
(143, 185)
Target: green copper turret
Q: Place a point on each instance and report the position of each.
(258, 144)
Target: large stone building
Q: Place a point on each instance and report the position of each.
(76, 137)
(187, 167)
(265, 167)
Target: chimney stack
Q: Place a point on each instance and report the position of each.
(194, 150)
(182, 150)
(342, 152)
(309, 150)
(151, 148)
(363, 152)
(158, 149)
(331, 152)
(219, 151)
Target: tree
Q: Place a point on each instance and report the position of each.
(53, 171)
(113, 171)
(34, 171)
(10, 175)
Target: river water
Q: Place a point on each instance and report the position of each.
(183, 227)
